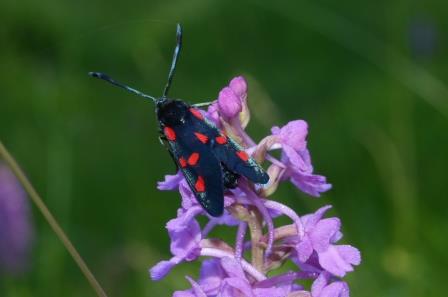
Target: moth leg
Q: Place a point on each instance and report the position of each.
(203, 104)
(230, 178)
(162, 140)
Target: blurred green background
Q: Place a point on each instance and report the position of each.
(369, 77)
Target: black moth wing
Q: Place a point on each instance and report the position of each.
(200, 167)
(236, 160)
(230, 153)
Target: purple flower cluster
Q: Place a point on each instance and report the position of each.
(310, 241)
(15, 226)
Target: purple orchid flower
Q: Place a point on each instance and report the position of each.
(320, 234)
(15, 226)
(227, 278)
(297, 159)
(310, 241)
(185, 235)
(322, 287)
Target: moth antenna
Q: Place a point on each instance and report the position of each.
(175, 58)
(123, 86)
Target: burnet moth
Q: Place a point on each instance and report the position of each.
(210, 161)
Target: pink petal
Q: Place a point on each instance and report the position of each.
(240, 284)
(311, 184)
(336, 289)
(296, 160)
(211, 276)
(349, 254)
(198, 292)
(311, 220)
(319, 284)
(294, 134)
(186, 293)
(333, 262)
(322, 233)
(321, 288)
(304, 249)
(171, 182)
(185, 235)
(232, 267)
(161, 269)
(188, 198)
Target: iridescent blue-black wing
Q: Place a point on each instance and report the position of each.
(237, 160)
(201, 168)
(227, 151)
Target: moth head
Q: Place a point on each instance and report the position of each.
(171, 112)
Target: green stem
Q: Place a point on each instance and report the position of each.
(51, 220)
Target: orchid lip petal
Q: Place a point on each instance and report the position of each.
(161, 269)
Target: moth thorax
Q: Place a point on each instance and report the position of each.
(172, 112)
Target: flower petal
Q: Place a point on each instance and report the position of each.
(188, 198)
(311, 184)
(171, 182)
(294, 134)
(186, 293)
(183, 219)
(310, 220)
(240, 285)
(211, 276)
(299, 162)
(185, 243)
(272, 292)
(332, 261)
(232, 267)
(336, 289)
(304, 249)
(321, 288)
(161, 269)
(349, 254)
(319, 284)
(198, 292)
(323, 232)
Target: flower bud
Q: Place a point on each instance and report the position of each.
(239, 86)
(213, 113)
(229, 103)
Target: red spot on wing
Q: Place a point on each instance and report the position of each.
(242, 155)
(200, 184)
(169, 133)
(182, 162)
(202, 138)
(221, 139)
(197, 113)
(193, 159)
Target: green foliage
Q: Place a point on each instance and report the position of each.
(377, 118)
